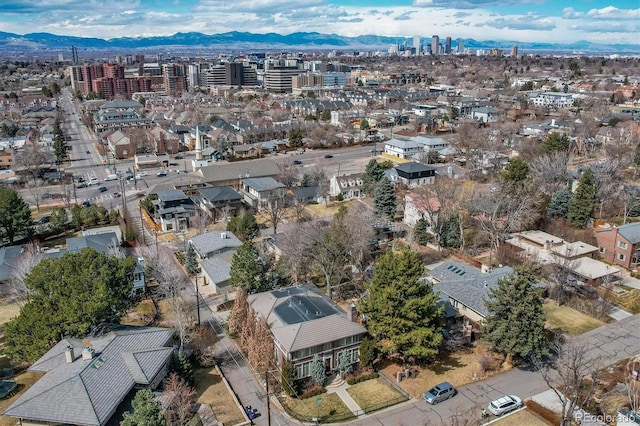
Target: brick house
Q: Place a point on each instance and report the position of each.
(620, 245)
(304, 322)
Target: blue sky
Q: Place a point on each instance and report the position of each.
(603, 21)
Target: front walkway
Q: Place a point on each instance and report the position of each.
(339, 387)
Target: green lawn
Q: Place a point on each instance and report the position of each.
(330, 409)
(568, 320)
(374, 393)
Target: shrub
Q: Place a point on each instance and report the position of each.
(549, 415)
(352, 380)
(313, 392)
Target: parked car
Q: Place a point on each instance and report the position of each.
(88, 152)
(116, 195)
(297, 162)
(178, 157)
(181, 172)
(161, 174)
(102, 189)
(82, 185)
(328, 156)
(44, 219)
(86, 203)
(505, 404)
(439, 393)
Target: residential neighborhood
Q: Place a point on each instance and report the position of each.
(320, 238)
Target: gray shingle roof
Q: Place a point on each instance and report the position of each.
(631, 232)
(87, 392)
(220, 193)
(218, 269)
(213, 242)
(262, 184)
(239, 170)
(413, 167)
(312, 330)
(467, 284)
(101, 243)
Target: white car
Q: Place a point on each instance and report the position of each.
(504, 404)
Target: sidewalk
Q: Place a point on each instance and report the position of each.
(341, 391)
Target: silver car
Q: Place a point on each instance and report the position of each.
(438, 393)
(504, 404)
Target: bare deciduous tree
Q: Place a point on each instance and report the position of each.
(632, 380)
(200, 221)
(180, 396)
(572, 377)
(275, 210)
(288, 173)
(550, 171)
(21, 266)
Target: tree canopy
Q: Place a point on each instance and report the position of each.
(516, 171)
(583, 201)
(146, 411)
(385, 199)
(515, 324)
(69, 296)
(401, 310)
(371, 176)
(559, 204)
(555, 142)
(247, 268)
(15, 216)
(244, 226)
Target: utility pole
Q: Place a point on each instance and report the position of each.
(266, 379)
(198, 311)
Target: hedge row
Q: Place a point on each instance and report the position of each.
(313, 392)
(363, 378)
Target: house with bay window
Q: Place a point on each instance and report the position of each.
(305, 322)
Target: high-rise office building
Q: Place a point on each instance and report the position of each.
(435, 45)
(447, 45)
(417, 45)
(514, 50)
(74, 54)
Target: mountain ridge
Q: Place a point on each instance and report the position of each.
(271, 41)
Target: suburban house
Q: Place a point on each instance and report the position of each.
(418, 207)
(215, 250)
(347, 186)
(415, 174)
(232, 174)
(578, 257)
(219, 202)
(304, 322)
(260, 192)
(466, 287)
(86, 380)
(486, 114)
(173, 208)
(306, 194)
(403, 148)
(119, 145)
(620, 245)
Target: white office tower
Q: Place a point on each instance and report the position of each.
(417, 45)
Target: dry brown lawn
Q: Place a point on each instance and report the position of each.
(330, 406)
(522, 417)
(629, 302)
(458, 368)
(569, 320)
(211, 390)
(373, 393)
(8, 311)
(315, 211)
(165, 315)
(25, 380)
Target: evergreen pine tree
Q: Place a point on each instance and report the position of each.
(317, 370)
(247, 268)
(583, 201)
(515, 325)
(146, 411)
(385, 199)
(555, 142)
(402, 311)
(184, 368)
(367, 352)
(371, 176)
(559, 204)
(420, 233)
(516, 171)
(344, 363)
(288, 377)
(191, 261)
(450, 233)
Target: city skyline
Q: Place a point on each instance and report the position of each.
(596, 21)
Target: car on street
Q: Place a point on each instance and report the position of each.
(297, 162)
(178, 157)
(116, 195)
(504, 404)
(161, 174)
(143, 174)
(328, 156)
(439, 393)
(181, 172)
(88, 152)
(102, 189)
(81, 185)
(86, 203)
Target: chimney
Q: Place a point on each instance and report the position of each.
(88, 353)
(68, 354)
(223, 235)
(352, 314)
